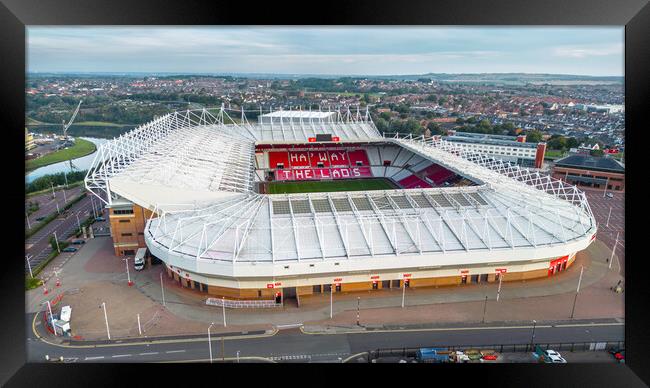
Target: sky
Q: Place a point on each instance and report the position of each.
(596, 51)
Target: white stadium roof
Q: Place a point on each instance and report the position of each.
(197, 173)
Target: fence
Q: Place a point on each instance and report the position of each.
(242, 304)
(501, 348)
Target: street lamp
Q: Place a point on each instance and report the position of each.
(162, 289)
(577, 291)
(331, 299)
(608, 215)
(499, 289)
(108, 333)
(27, 217)
(49, 308)
(210, 341)
(532, 337)
(223, 308)
(403, 292)
(358, 302)
(484, 308)
(29, 266)
(57, 242)
(613, 250)
(128, 276)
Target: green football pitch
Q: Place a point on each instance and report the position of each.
(326, 186)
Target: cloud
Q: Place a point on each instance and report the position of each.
(325, 50)
(588, 51)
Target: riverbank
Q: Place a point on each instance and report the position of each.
(81, 148)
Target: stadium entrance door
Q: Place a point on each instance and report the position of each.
(289, 296)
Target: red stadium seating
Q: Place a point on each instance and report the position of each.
(319, 157)
(358, 156)
(437, 174)
(299, 159)
(338, 158)
(278, 157)
(413, 182)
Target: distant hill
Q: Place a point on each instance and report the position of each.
(491, 78)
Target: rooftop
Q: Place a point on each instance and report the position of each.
(589, 162)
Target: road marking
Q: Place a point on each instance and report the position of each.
(148, 354)
(121, 355)
(175, 351)
(289, 326)
(94, 358)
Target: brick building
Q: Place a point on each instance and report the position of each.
(587, 171)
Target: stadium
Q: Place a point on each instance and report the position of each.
(298, 203)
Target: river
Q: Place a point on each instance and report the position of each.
(82, 163)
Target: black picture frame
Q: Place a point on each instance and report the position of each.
(16, 14)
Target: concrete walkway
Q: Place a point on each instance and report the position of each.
(191, 304)
(548, 298)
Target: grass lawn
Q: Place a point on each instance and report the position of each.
(554, 153)
(81, 148)
(327, 186)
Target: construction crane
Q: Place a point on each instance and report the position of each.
(66, 126)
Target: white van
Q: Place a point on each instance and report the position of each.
(138, 263)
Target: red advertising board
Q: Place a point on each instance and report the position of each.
(269, 285)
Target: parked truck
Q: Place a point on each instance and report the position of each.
(138, 263)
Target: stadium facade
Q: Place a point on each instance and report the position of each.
(191, 186)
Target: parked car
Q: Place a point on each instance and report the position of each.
(70, 249)
(40, 218)
(100, 219)
(619, 355)
(551, 356)
(609, 195)
(78, 241)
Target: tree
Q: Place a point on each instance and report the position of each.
(534, 136)
(571, 142)
(557, 143)
(385, 115)
(434, 128)
(596, 152)
(432, 98)
(381, 124)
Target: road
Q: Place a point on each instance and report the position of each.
(294, 345)
(48, 205)
(38, 246)
(607, 231)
